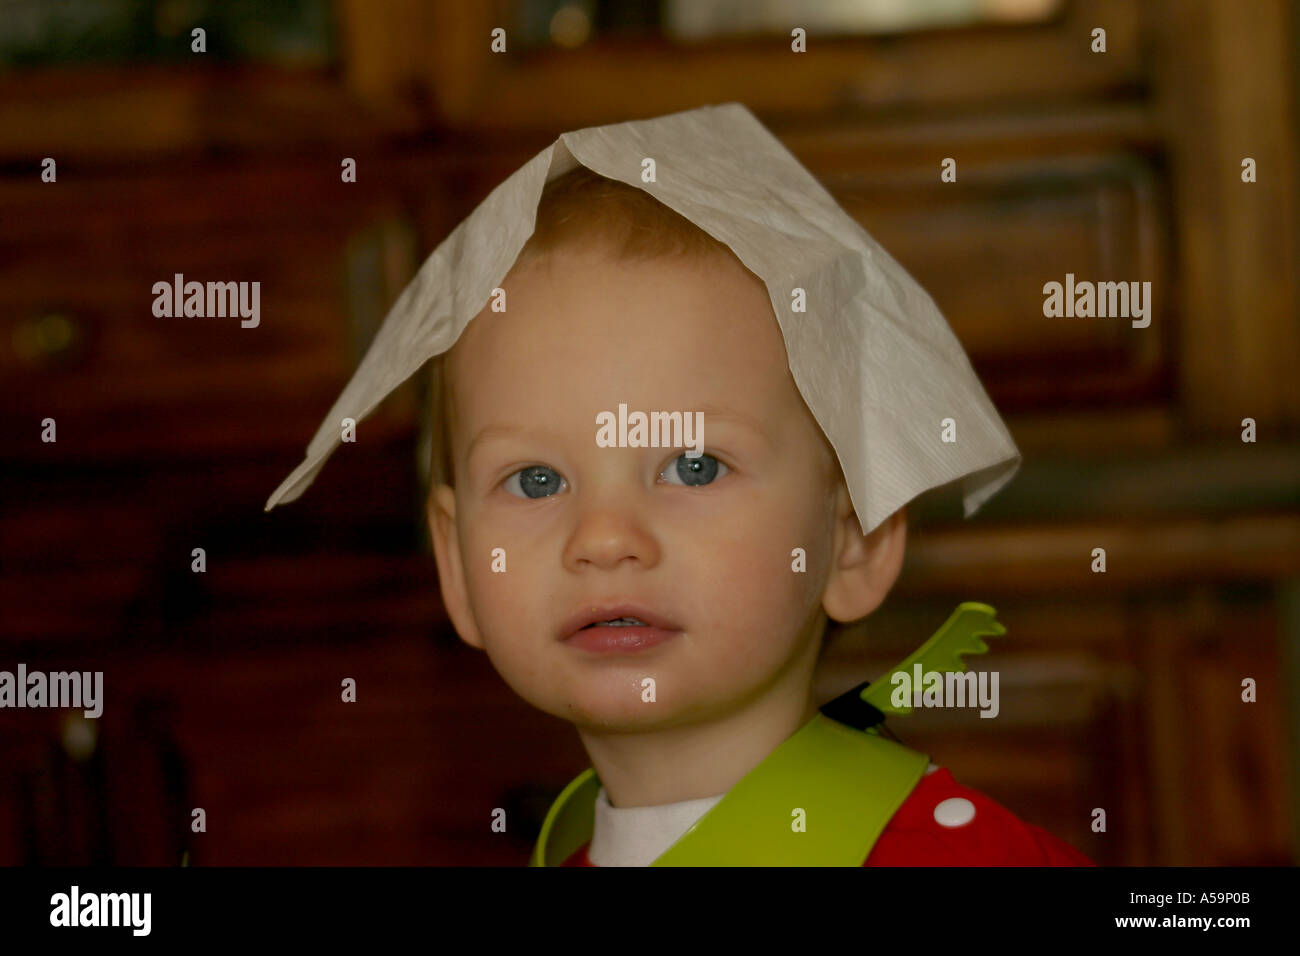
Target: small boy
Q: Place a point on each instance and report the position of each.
(645, 592)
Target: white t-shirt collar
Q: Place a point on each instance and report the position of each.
(637, 836)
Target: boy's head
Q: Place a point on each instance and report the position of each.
(617, 299)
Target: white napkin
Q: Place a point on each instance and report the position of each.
(872, 356)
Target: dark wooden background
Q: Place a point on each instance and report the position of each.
(1119, 691)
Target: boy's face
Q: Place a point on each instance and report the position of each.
(599, 526)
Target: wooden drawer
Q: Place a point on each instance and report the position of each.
(80, 342)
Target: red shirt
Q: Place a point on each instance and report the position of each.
(985, 833)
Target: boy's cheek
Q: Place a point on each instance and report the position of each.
(769, 583)
(757, 584)
(770, 543)
(495, 575)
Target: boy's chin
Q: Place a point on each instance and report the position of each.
(616, 711)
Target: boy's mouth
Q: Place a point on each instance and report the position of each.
(617, 628)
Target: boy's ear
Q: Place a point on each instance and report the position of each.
(451, 571)
(863, 567)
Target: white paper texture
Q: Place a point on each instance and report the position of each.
(872, 356)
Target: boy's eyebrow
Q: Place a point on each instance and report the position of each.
(495, 431)
(709, 411)
(731, 414)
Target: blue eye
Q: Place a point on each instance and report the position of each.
(535, 481)
(694, 471)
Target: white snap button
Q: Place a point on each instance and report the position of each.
(954, 812)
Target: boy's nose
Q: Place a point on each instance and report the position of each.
(606, 536)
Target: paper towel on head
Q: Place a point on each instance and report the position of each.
(872, 356)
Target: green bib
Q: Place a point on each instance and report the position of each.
(847, 782)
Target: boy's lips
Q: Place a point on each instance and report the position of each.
(578, 630)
